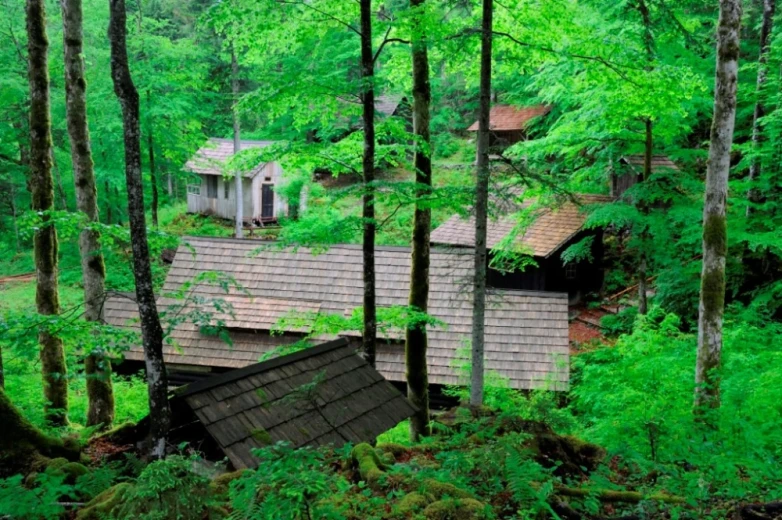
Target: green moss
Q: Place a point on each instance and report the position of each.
(56, 463)
(395, 449)
(370, 467)
(102, 505)
(221, 483)
(409, 504)
(440, 490)
(71, 470)
(262, 436)
(458, 509)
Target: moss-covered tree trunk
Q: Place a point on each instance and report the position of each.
(368, 169)
(239, 227)
(22, 443)
(481, 210)
(769, 7)
(96, 366)
(416, 340)
(42, 189)
(712, 294)
(151, 331)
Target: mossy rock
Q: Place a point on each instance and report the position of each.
(103, 504)
(222, 483)
(440, 490)
(370, 467)
(455, 509)
(425, 462)
(409, 504)
(570, 455)
(71, 470)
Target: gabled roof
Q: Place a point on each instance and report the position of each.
(322, 395)
(659, 163)
(526, 331)
(505, 118)
(551, 229)
(387, 104)
(210, 158)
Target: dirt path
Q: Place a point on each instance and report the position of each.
(27, 277)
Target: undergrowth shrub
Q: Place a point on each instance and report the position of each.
(636, 400)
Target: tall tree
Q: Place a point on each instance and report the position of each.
(481, 209)
(42, 188)
(237, 145)
(151, 331)
(712, 293)
(416, 340)
(368, 169)
(769, 7)
(97, 367)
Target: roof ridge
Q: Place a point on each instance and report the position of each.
(270, 242)
(240, 373)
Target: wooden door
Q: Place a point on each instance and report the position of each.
(267, 201)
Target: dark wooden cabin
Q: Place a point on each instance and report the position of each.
(630, 171)
(508, 125)
(551, 233)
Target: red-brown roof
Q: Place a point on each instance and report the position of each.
(507, 118)
(552, 228)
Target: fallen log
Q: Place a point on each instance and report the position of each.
(608, 495)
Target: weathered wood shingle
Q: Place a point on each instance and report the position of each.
(322, 395)
(526, 332)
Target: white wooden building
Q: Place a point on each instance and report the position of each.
(215, 194)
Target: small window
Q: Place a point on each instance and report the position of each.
(571, 271)
(211, 186)
(226, 184)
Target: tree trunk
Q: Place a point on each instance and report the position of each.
(239, 229)
(769, 7)
(42, 188)
(151, 331)
(14, 216)
(2, 370)
(643, 304)
(21, 443)
(58, 179)
(481, 210)
(169, 187)
(96, 366)
(416, 336)
(368, 168)
(152, 171)
(712, 294)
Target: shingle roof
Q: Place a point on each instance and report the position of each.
(387, 105)
(322, 395)
(526, 332)
(211, 157)
(508, 118)
(551, 229)
(659, 162)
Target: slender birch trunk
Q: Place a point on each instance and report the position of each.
(416, 341)
(239, 230)
(712, 294)
(151, 331)
(152, 168)
(368, 168)
(769, 7)
(47, 298)
(97, 367)
(481, 211)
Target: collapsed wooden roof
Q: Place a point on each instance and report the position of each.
(526, 332)
(322, 395)
(210, 159)
(506, 118)
(551, 229)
